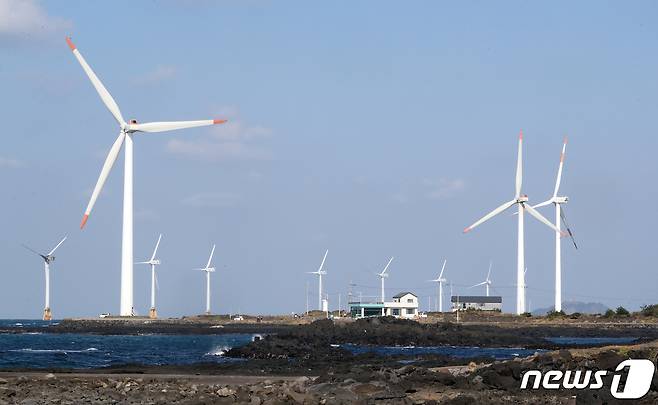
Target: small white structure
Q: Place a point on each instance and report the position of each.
(404, 305)
(476, 302)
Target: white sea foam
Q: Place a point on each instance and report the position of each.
(30, 350)
(218, 351)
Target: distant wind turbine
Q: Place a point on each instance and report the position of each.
(440, 280)
(208, 270)
(559, 217)
(383, 275)
(521, 201)
(486, 282)
(47, 259)
(126, 132)
(154, 279)
(320, 273)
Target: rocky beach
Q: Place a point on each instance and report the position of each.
(311, 363)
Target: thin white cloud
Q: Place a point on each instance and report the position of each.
(212, 199)
(158, 75)
(26, 20)
(443, 189)
(233, 140)
(11, 163)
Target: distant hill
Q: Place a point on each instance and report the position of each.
(576, 306)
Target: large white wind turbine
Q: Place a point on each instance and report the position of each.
(558, 201)
(320, 272)
(520, 200)
(126, 132)
(153, 262)
(208, 270)
(440, 280)
(383, 275)
(47, 259)
(486, 282)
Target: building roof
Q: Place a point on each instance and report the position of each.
(402, 294)
(478, 299)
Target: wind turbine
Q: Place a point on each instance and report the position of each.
(208, 270)
(382, 276)
(520, 200)
(558, 201)
(153, 262)
(126, 132)
(320, 273)
(47, 259)
(441, 280)
(486, 282)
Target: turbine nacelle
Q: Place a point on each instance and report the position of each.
(560, 200)
(522, 199)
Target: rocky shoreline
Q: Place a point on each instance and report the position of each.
(307, 364)
(495, 383)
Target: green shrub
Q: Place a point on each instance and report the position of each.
(621, 311)
(575, 315)
(609, 313)
(649, 310)
(526, 314)
(555, 314)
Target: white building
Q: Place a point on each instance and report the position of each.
(404, 305)
(476, 302)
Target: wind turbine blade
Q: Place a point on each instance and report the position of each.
(489, 272)
(566, 225)
(559, 169)
(33, 251)
(442, 268)
(323, 259)
(479, 284)
(519, 166)
(492, 214)
(545, 203)
(58, 245)
(172, 125)
(102, 91)
(105, 171)
(387, 264)
(157, 284)
(212, 252)
(156, 247)
(142, 262)
(540, 217)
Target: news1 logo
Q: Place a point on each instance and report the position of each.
(638, 373)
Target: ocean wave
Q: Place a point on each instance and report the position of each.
(218, 351)
(30, 350)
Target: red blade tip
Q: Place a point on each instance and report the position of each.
(565, 139)
(84, 221)
(70, 43)
(218, 121)
(467, 229)
(521, 135)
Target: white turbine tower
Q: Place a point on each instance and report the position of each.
(126, 132)
(520, 200)
(208, 270)
(486, 282)
(153, 262)
(382, 276)
(559, 217)
(47, 259)
(440, 280)
(320, 273)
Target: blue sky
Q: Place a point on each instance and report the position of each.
(372, 129)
